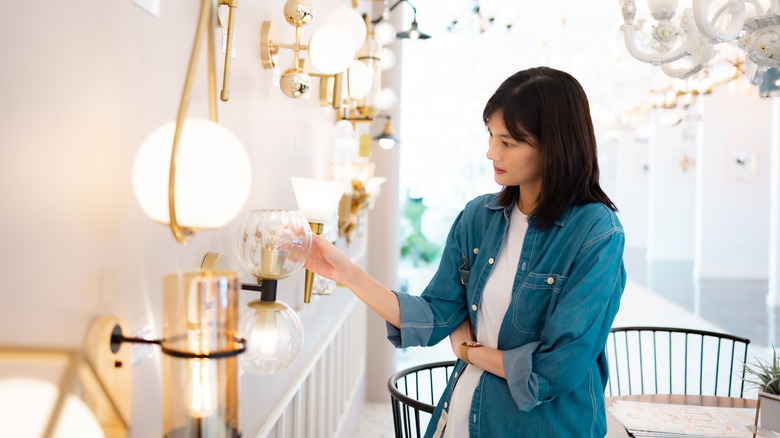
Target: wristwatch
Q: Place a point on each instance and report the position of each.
(464, 350)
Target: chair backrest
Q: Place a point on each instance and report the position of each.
(665, 360)
(414, 393)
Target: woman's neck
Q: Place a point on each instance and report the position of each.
(528, 198)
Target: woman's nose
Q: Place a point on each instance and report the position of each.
(491, 154)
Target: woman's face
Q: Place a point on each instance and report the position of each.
(515, 163)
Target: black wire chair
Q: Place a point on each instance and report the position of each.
(414, 393)
(666, 360)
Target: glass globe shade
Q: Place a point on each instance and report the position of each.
(348, 19)
(386, 143)
(360, 80)
(272, 244)
(331, 49)
(384, 32)
(343, 130)
(386, 58)
(318, 199)
(387, 99)
(298, 12)
(274, 337)
(25, 406)
(662, 5)
(213, 174)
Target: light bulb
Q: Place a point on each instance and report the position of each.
(272, 244)
(213, 174)
(202, 388)
(386, 143)
(331, 49)
(274, 337)
(384, 32)
(26, 404)
(349, 20)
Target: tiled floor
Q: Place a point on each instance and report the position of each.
(658, 293)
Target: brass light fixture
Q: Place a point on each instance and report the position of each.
(272, 245)
(331, 48)
(207, 166)
(386, 139)
(318, 201)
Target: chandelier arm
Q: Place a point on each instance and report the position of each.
(735, 8)
(704, 56)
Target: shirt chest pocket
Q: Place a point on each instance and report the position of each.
(536, 296)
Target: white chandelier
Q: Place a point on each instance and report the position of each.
(683, 49)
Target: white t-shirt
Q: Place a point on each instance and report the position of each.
(495, 302)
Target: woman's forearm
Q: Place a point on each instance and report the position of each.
(488, 359)
(377, 297)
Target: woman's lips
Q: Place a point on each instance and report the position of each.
(497, 170)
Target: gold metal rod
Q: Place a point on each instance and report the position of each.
(71, 373)
(337, 84)
(212, 65)
(27, 355)
(316, 228)
(225, 94)
(182, 233)
(297, 43)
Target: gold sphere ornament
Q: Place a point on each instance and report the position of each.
(295, 83)
(298, 12)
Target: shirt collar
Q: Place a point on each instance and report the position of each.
(493, 205)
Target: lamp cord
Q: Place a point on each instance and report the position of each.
(414, 10)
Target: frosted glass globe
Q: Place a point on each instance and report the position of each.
(387, 100)
(384, 32)
(331, 49)
(360, 80)
(213, 174)
(25, 406)
(274, 337)
(272, 244)
(349, 20)
(386, 58)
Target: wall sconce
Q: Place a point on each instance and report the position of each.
(32, 407)
(331, 48)
(386, 139)
(203, 165)
(272, 244)
(318, 200)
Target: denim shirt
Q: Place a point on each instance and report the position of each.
(565, 296)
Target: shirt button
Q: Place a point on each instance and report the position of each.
(523, 267)
(445, 405)
(550, 280)
(476, 250)
(490, 260)
(474, 307)
(456, 376)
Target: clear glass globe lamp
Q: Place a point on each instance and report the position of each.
(272, 245)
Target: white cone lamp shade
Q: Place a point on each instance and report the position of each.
(331, 49)
(349, 20)
(25, 407)
(272, 244)
(274, 337)
(213, 175)
(360, 80)
(318, 199)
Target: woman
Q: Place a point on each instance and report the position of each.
(536, 269)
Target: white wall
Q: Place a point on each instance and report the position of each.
(83, 85)
(632, 185)
(671, 185)
(732, 203)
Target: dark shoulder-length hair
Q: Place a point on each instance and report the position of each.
(550, 106)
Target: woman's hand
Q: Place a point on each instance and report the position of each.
(326, 260)
(460, 335)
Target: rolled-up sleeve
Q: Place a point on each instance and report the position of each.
(576, 330)
(430, 317)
